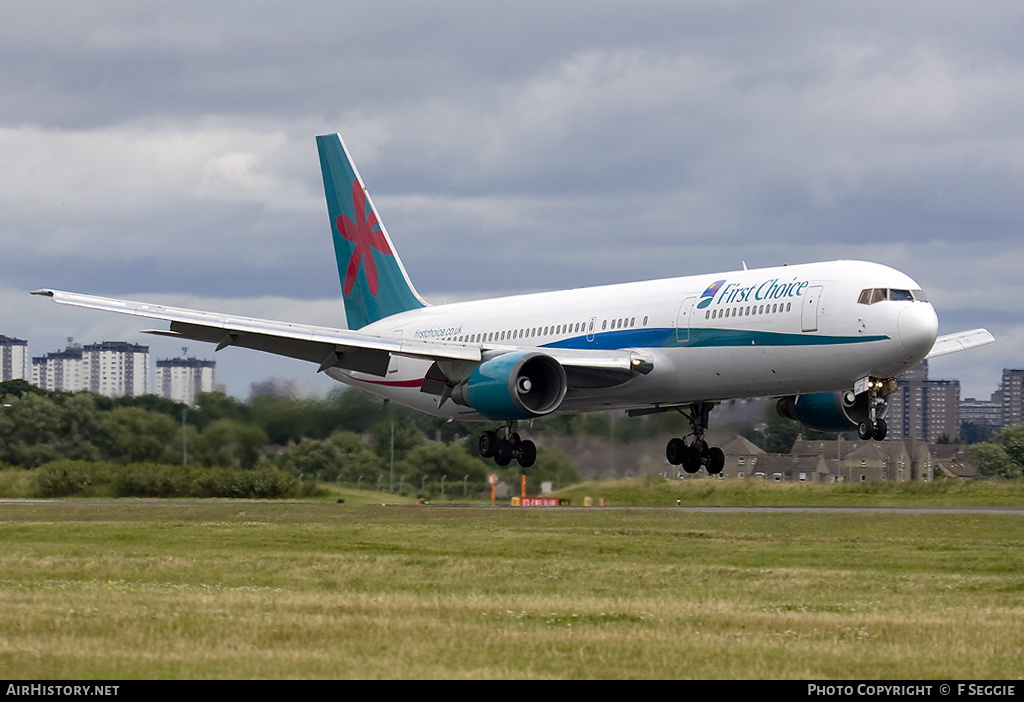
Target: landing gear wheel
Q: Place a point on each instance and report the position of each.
(865, 431)
(675, 451)
(503, 452)
(715, 460)
(527, 453)
(691, 459)
(488, 444)
(881, 429)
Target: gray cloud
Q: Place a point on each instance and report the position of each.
(169, 151)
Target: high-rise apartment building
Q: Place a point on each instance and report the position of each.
(1011, 396)
(111, 368)
(922, 408)
(182, 379)
(13, 358)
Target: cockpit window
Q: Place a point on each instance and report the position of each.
(872, 295)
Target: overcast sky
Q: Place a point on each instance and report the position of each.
(165, 152)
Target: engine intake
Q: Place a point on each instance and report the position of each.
(517, 385)
(826, 411)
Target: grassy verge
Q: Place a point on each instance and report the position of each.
(659, 492)
(111, 589)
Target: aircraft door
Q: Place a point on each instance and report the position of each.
(684, 319)
(809, 311)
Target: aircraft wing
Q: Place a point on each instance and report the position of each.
(960, 341)
(343, 348)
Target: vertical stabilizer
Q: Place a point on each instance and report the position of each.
(373, 281)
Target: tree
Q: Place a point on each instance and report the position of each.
(228, 442)
(406, 437)
(436, 459)
(342, 456)
(133, 435)
(30, 425)
(993, 461)
(976, 433)
(1003, 457)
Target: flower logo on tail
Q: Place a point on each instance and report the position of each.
(366, 238)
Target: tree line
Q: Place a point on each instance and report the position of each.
(348, 437)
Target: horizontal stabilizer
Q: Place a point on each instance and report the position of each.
(960, 341)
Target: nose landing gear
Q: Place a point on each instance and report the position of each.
(873, 426)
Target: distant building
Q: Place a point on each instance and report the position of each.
(13, 358)
(182, 379)
(272, 386)
(118, 368)
(982, 413)
(61, 370)
(870, 461)
(1011, 396)
(922, 408)
(110, 368)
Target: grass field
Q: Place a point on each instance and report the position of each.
(129, 589)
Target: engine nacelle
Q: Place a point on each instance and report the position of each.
(827, 411)
(518, 385)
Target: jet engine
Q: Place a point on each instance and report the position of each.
(517, 385)
(829, 411)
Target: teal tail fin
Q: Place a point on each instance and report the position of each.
(373, 280)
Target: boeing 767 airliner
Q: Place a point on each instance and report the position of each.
(827, 339)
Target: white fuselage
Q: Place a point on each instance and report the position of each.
(764, 332)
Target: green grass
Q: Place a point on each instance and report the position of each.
(658, 492)
(222, 589)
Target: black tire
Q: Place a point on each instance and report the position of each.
(865, 431)
(674, 451)
(527, 453)
(503, 452)
(716, 460)
(691, 459)
(881, 430)
(488, 444)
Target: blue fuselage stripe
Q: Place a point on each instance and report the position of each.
(703, 338)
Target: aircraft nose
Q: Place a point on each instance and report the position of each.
(918, 326)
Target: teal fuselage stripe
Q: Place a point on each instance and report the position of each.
(704, 338)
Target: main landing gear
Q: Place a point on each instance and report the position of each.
(512, 446)
(696, 454)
